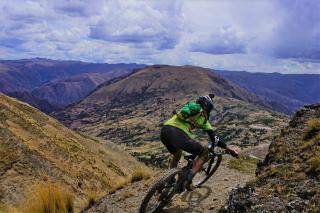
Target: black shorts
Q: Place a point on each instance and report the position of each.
(175, 139)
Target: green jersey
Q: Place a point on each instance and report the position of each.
(189, 117)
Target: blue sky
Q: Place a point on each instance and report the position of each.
(261, 36)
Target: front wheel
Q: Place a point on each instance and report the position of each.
(161, 192)
(207, 170)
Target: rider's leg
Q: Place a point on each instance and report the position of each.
(197, 165)
(175, 159)
(203, 157)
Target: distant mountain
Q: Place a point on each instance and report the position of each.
(288, 179)
(130, 110)
(58, 82)
(73, 89)
(39, 103)
(284, 92)
(36, 149)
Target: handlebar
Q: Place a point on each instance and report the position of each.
(224, 152)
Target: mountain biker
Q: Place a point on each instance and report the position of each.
(176, 134)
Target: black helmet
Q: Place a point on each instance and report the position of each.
(206, 103)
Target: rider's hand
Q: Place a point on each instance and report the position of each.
(233, 152)
(216, 139)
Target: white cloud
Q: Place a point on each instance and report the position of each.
(237, 35)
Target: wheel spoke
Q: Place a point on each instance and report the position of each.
(161, 194)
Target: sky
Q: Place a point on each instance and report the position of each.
(256, 36)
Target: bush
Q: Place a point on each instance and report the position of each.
(315, 165)
(245, 164)
(49, 198)
(312, 129)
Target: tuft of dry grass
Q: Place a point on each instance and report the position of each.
(121, 182)
(315, 165)
(137, 175)
(49, 198)
(244, 164)
(312, 129)
(92, 198)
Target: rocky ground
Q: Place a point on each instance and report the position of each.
(289, 177)
(209, 198)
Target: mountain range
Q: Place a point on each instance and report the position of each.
(130, 110)
(115, 107)
(51, 85)
(284, 92)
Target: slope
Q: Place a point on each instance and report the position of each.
(35, 148)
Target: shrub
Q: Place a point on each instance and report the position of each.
(266, 120)
(245, 164)
(312, 129)
(49, 198)
(315, 165)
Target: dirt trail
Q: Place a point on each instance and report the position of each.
(209, 198)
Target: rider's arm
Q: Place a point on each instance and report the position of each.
(222, 144)
(213, 139)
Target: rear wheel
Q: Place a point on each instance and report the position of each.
(207, 170)
(161, 193)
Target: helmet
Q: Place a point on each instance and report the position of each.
(206, 103)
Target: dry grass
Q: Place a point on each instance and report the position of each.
(137, 175)
(92, 198)
(312, 129)
(8, 209)
(121, 182)
(49, 198)
(245, 164)
(315, 165)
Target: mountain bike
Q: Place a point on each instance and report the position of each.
(172, 184)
